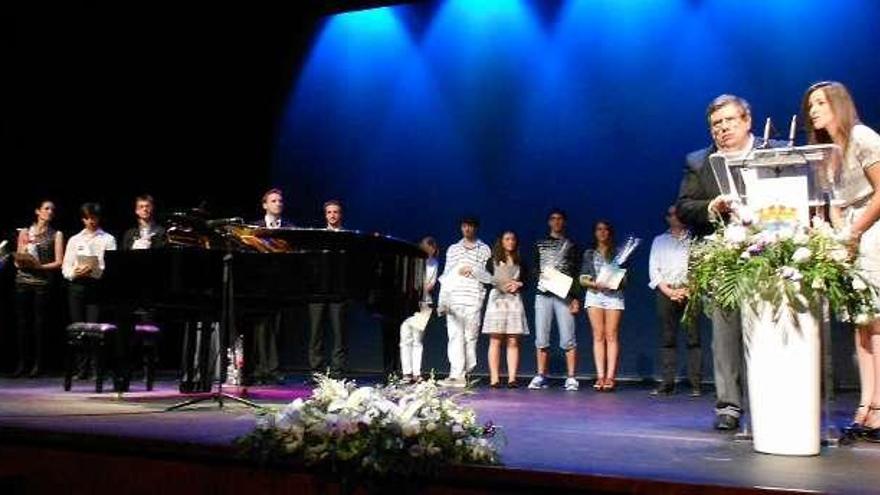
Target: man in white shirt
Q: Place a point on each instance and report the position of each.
(83, 266)
(667, 269)
(461, 299)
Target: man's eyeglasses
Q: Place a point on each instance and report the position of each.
(719, 123)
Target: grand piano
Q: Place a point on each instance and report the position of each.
(211, 271)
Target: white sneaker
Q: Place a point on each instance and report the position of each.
(571, 384)
(453, 382)
(538, 382)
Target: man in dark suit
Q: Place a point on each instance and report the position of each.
(337, 311)
(700, 204)
(147, 234)
(261, 362)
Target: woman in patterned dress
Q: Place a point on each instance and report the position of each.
(505, 317)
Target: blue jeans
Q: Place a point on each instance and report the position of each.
(546, 306)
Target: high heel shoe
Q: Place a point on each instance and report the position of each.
(871, 434)
(857, 427)
(600, 382)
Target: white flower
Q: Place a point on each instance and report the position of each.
(858, 284)
(791, 273)
(801, 255)
(818, 283)
(801, 238)
(291, 415)
(735, 234)
(745, 255)
(430, 426)
(838, 255)
(785, 233)
(411, 428)
(862, 319)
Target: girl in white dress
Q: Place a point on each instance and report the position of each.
(831, 117)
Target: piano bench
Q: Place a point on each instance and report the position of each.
(147, 335)
(92, 338)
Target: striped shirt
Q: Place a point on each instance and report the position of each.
(459, 290)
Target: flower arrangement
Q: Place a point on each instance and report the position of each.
(381, 432)
(788, 266)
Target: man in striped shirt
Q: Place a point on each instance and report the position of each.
(461, 299)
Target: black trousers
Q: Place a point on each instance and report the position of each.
(670, 314)
(32, 308)
(339, 357)
(83, 296)
(260, 332)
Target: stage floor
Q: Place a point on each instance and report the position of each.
(625, 434)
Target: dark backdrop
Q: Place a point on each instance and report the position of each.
(412, 115)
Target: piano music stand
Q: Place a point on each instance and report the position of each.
(226, 315)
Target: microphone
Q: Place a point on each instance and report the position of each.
(767, 126)
(791, 130)
(219, 222)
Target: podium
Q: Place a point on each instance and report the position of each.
(797, 178)
(777, 188)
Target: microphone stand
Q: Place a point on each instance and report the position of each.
(226, 316)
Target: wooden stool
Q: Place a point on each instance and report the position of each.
(91, 338)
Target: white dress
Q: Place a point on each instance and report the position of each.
(863, 151)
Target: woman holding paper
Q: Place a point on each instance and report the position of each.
(37, 257)
(604, 303)
(831, 117)
(505, 318)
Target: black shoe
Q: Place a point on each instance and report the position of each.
(495, 385)
(513, 384)
(871, 434)
(35, 372)
(19, 371)
(726, 422)
(664, 389)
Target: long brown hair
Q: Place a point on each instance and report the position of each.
(842, 106)
(499, 255)
(596, 246)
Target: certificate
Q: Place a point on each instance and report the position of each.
(554, 281)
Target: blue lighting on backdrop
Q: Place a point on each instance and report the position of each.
(414, 115)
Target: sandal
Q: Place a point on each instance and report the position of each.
(857, 426)
(600, 382)
(609, 385)
(871, 433)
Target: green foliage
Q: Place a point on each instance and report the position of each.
(737, 266)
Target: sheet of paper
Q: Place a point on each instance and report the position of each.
(555, 282)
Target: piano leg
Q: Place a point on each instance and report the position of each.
(390, 346)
